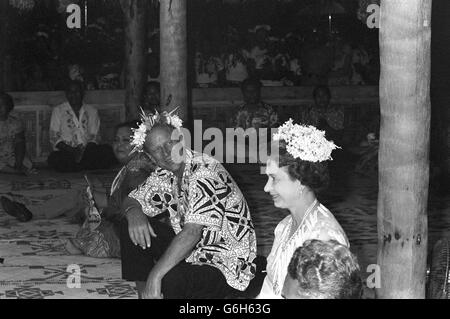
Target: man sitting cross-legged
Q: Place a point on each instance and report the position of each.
(209, 250)
(74, 134)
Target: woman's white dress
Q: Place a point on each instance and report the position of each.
(318, 224)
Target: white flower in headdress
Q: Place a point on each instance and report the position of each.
(148, 121)
(139, 135)
(175, 121)
(305, 142)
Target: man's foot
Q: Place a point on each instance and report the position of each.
(15, 209)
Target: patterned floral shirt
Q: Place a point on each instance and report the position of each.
(8, 131)
(210, 197)
(264, 117)
(66, 127)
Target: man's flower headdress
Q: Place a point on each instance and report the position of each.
(305, 142)
(147, 123)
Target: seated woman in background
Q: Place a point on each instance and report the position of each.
(323, 270)
(12, 140)
(324, 116)
(254, 112)
(296, 174)
(103, 242)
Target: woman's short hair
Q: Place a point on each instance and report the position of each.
(327, 269)
(315, 175)
(324, 88)
(8, 101)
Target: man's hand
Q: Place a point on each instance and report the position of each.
(139, 228)
(152, 288)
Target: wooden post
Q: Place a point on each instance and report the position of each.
(174, 56)
(405, 38)
(135, 13)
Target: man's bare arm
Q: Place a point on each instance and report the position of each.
(139, 228)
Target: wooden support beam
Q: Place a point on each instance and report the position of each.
(405, 39)
(135, 13)
(174, 56)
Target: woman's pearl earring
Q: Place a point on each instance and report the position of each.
(302, 188)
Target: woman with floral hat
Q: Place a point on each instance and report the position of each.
(295, 176)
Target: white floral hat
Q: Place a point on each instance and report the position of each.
(305, 142)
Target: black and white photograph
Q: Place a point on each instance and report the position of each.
(241, 151)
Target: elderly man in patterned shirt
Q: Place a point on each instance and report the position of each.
(212, 250)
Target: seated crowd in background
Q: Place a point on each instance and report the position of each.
(75, 137)
(225, 59)
(289, 60)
